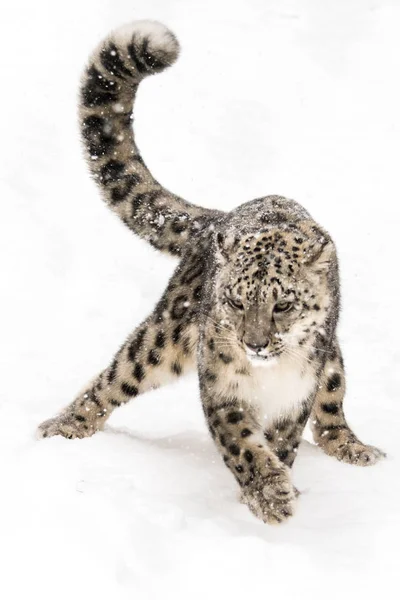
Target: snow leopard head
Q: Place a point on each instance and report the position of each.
(276, 290)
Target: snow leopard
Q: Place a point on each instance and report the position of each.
(253, 303)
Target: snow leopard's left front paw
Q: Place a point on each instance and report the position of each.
(356, 453)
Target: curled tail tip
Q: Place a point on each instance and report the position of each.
(150, 43)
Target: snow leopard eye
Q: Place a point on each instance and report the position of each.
(281, 307)
(235, 303)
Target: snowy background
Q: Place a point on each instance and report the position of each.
(299, 98)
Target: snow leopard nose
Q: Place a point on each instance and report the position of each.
(256, 347)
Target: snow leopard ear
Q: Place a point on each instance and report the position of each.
(320, 254)
(226, 243)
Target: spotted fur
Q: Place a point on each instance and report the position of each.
(253, 303)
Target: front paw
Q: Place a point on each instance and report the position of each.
(356, 453)
(277, 485)
(268, 510)
(274, 501)
(69, 426)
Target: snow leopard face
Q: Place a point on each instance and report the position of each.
(274, 293)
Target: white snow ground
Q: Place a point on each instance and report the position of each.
(293, 97)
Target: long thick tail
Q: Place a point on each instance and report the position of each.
(108, 91)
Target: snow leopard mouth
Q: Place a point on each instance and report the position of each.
(260, 360)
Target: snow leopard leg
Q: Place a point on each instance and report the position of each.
(265, 483)
(330, 429)
(158, 351)
(284, 435)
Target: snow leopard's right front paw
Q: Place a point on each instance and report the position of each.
(268, 510)
(274, 501)
(69, 426)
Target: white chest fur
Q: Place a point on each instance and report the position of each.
(276, 389)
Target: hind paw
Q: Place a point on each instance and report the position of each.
(68, 426)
